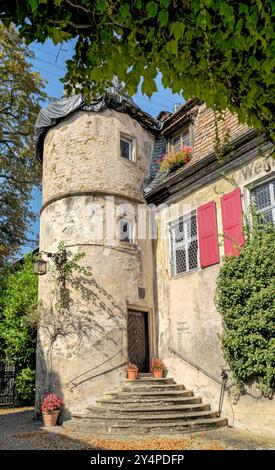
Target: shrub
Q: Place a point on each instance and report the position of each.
(18, 305)
(25, 385)
(245, 300)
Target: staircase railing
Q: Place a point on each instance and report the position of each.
(72, 383)
(222, 382)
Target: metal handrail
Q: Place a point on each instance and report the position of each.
(72, 381)
(211, 376)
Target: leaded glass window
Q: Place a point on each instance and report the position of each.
(184, 244)
(126, 148)
(263, 199)
(181, 140)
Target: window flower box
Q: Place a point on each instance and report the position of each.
(172, 161)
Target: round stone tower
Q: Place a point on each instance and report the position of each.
(94, 167)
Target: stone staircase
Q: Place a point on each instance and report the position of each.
(147, 406)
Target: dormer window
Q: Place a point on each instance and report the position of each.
(181, 139)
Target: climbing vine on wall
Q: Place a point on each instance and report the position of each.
(63, 316)
(245, 300)
(220, 51)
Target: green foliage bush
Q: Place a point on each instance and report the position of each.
(18, 304)
(245, 300)
(25, 385)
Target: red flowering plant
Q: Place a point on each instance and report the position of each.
(158, 364)
(172, 161)
(51, 402)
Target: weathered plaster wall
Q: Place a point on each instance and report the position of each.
(82, 154)
(188, 320)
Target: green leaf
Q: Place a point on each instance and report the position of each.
(33, 4)
(163, 17)
(172, 47)
(227, 11)
(152, 9)
(177, 30)
(57, 35)
(124, 11)
(138, 4)
(101, 6)
(165, 3)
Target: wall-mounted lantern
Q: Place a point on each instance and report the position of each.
(59, 258)
(40, 267)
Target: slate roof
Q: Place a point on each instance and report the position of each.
(115, 98)
(203, 120)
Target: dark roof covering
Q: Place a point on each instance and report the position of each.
(159, 149)
(115, 98)
(180, 117)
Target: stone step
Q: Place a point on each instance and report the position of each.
(152, 402)
(113, 410)
(127, 429)
(150, 418)
(143, 393)
(148, 388)
(150, 381)
(147, 406)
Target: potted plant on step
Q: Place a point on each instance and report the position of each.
(132, 371)
(158, 368)
(50, 408)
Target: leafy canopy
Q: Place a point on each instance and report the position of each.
(221, 51)
(245, 300)
(20, 97)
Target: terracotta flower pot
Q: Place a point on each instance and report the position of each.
(132, 374)
(158, 373)
(50, 418)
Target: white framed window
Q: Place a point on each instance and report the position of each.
(182, 139)
(126, 148)
(184, 245)
(263, 198)
(126, 231)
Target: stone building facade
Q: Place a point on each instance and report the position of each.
(100, 185)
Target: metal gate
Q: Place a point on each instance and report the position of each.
(7, 384)
(138, 340)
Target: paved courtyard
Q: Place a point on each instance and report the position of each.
(18, 430)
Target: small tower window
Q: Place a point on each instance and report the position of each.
(126, 148)
(126, 231)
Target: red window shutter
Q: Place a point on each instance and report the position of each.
(232, 221)
(208, 234)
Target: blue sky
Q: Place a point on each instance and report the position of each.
(50, 62)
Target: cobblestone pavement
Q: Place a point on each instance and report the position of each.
(18, 430)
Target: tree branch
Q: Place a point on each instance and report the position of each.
(12, 178)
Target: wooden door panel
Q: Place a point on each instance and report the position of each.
(138, 344)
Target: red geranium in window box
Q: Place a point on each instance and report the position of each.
(174, 160)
